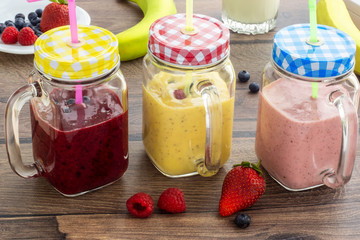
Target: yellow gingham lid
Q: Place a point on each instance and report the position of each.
(96, 54)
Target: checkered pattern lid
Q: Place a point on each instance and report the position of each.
(168, 43)
(334, 57)
(96, 54)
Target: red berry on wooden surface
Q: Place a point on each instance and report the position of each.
(172, 200)
(140, 205)
(242, 187)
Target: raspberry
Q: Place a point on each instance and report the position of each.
(140, 205)
(172, 200)
(179, 94)
(27, 36)
(10, 35)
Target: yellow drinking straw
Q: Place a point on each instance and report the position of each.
(188, 81)
(189, 16)
(313, 39)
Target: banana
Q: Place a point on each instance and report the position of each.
(335, 14)
(133, 41)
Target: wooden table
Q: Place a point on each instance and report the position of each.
(32, 209)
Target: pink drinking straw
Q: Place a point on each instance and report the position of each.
(74, 39)
(73, 23)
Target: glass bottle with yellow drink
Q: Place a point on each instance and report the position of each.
(188, 96)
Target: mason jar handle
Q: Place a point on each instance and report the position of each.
(13, 108)
(340, 176)
(210, 165)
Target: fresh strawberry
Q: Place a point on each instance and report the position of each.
(27, 36)
(10, 35)
(55, 14)
(242, 187)
(172, 200)
(140, 205)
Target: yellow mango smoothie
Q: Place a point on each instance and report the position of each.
(174, 129)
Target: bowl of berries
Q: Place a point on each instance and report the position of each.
(21, 22)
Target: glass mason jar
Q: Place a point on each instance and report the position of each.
(78, 110)
(307, 126)
(250, 17)
(188, 102)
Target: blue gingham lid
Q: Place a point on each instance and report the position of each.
(334, 57)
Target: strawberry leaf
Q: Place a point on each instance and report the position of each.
(246, 164)
(256, 167)
(65, 2)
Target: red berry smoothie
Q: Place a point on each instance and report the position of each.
(297, 136)
(81, 147)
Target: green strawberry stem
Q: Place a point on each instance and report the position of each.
(254, 166)
(60, 1)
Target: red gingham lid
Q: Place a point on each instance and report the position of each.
(209, 45)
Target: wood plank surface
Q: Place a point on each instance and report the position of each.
(32, 209)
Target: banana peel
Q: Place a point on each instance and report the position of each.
(335, 14)
(133, 41)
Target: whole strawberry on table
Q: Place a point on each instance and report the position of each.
(242, 187)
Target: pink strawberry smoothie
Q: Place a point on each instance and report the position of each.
(298, 137)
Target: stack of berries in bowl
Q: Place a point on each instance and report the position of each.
(22, 30)
(25, 31)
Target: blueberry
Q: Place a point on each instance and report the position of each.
(244, 76)
(19, 24)
(32, 15)
(2, 27)
(70, 101)
(35, 21)
(37, 32)
(19, 19)
(27, 24)
(242, 220)
(55, 101)
(20, 15)
(9, 23)
(66, 109)
(86, 99)
(254, 87)
(39, 12)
